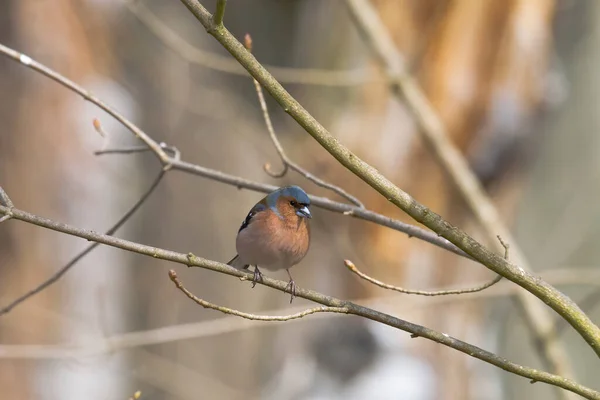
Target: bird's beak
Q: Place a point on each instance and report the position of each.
(303, 212)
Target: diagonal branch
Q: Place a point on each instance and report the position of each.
(432, 129)
(287, 162)
(219, 326)
(558, 301)
(355, 309)
(63, 270)
(254, 317)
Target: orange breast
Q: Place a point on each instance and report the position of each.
(292, 237)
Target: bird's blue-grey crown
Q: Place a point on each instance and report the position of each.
(295, 192)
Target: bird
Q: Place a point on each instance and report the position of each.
(275, 234)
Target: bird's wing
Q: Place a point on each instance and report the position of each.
(255, 210)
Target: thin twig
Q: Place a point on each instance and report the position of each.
(130, 150)
(216, 62)
(123, 150)
(287, 162)
(220, 12)
(431, 293)
(4, 199)
(137, 149)
(254, 317)
(505, 245)
(355, 309)
(41, 68)
(63, 270)
(406, 89)
(552, 297)
(350, 265)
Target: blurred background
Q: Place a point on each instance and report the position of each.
(515, 82)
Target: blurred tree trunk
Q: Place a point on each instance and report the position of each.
(484, 67)
(558, 217)
(47, 167)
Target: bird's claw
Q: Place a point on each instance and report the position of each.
(291, 288)
(257, 276)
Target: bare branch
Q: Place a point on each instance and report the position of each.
(350, 265)
(287, 162)
(432, 129)
(352, 308)
(254, 317)
(63, 270)
(505, 245)
(193, 55)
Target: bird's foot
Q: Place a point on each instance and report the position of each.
(291, 288)
(258, 276)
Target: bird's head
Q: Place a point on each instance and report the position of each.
(290, 200)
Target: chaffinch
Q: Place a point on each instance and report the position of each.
(275, 234)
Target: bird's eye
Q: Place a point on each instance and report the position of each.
(293, 203)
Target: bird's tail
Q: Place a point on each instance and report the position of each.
(236, 262)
